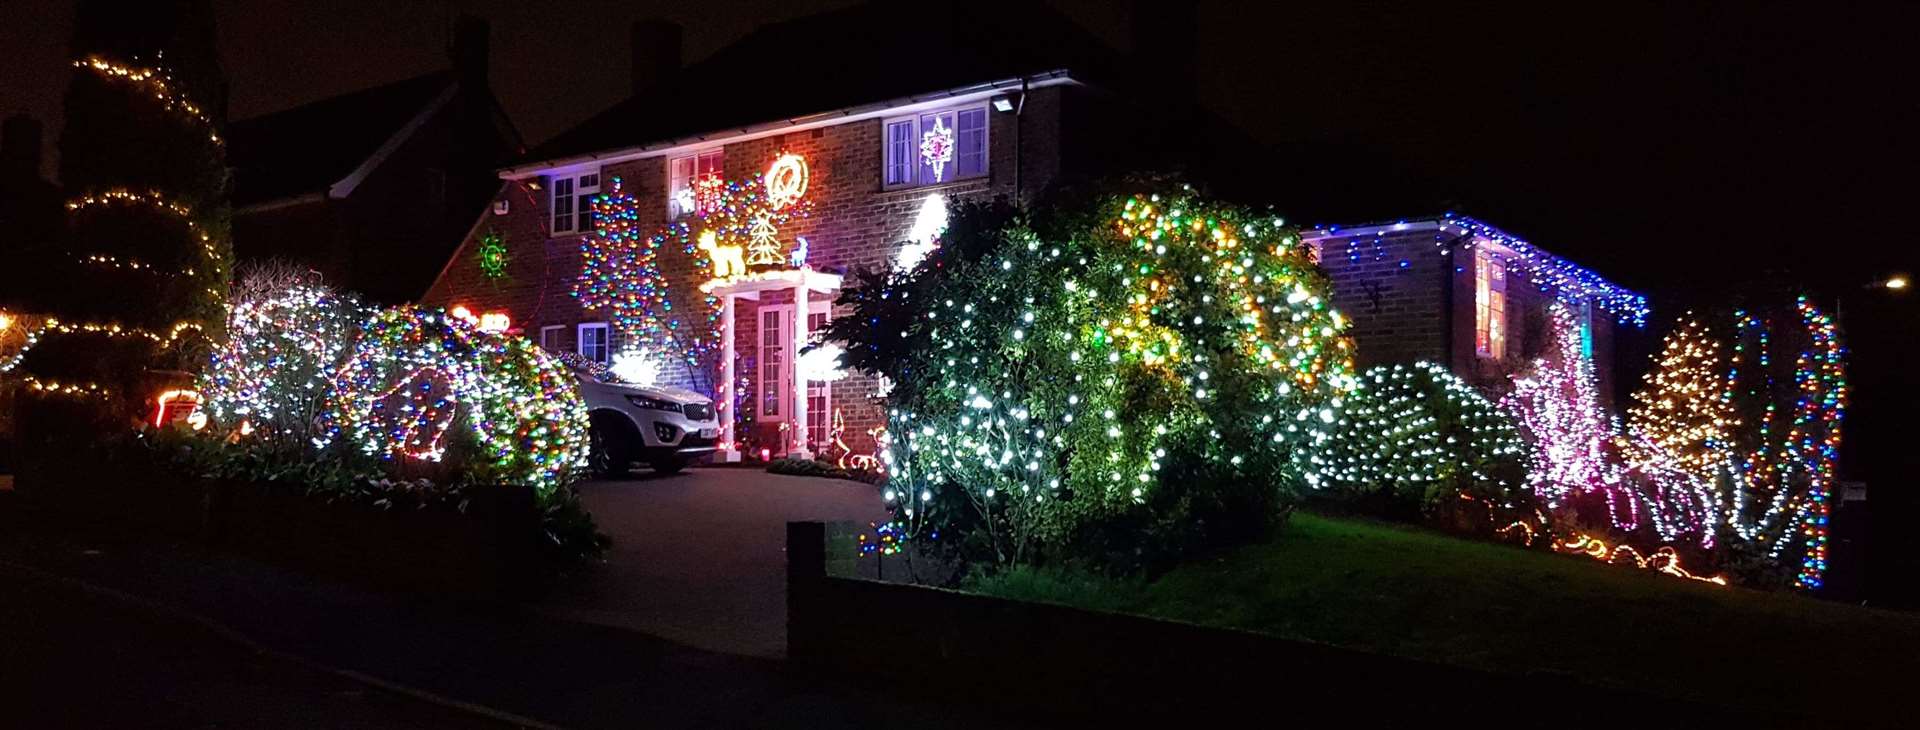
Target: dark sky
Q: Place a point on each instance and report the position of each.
(1675, 147)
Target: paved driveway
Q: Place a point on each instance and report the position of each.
(700, 557)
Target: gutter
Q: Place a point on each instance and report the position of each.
(1056, 77)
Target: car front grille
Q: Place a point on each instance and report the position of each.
(698, 411)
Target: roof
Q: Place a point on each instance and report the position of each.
(836, 60)
(308, 149)
(1569, 280)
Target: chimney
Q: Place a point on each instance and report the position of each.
(20, 139)
(469, 51)
(656, 52)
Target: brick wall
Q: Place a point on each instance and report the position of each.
(1393, 287)
(1410, 297)
(855, 224)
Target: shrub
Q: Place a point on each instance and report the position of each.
(1415, 440)
(286, 338)
(1117, 379)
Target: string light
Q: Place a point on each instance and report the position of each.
(1054, 377)
(415, 373)
(156, 83)
(1422, 432)
(277, 365)
(1664, 560)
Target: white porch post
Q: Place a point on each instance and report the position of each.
(799, 379)
(731, 450)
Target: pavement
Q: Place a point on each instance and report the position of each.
(191, 637)
(699, 557)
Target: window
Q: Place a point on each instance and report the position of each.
(596, 343)
(573, 201)
(683, 172)
(552, 338)
(935, 147)
(1489, 305)
(773, 371)
(819, 396)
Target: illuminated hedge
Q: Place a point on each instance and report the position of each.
(272, 375)
(1143, 374)
(418, 374)
(1424, 438)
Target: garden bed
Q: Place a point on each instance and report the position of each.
(1424, 595)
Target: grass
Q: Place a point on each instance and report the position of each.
(1412, 592)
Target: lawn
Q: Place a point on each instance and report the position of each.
(1417, 593)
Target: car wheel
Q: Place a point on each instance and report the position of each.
(669, 465)
(601, 459)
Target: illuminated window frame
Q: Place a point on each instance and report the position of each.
(597, 347)
(1489, 304)
(570, 202)
(916, 125)
(683, 170)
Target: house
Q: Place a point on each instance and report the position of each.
(867, 122)
(374, 189)
(1457, 291)
(878, 115)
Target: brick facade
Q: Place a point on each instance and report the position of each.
(855, 224)
(1410, 296)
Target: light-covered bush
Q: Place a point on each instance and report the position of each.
(1416, 439)
(1118, 379)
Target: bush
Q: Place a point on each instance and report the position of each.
(1416, 440)
(1114, 379)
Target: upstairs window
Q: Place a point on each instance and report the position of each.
(684, 174)
(1489, 305)
(935, 147)
(573, 201)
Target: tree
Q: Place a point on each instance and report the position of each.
(1110, 378)
(141, 155)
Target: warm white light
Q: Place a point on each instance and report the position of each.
(822, 363)
(1896, 283)
(633, 366)
(924, 237)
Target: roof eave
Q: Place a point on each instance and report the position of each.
(842, 115)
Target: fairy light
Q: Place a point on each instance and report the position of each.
(1423, 432)
(156, 83)
(1665, 560)
(416, 373)
(1025, 362)
(273, 372)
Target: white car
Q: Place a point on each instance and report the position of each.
(661, 426)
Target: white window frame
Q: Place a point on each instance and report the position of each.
(550, 337)
(675, 182)
(782, 370)
(1489, 304)
(578, 194)
(913, 145)
(606, 339)
(821, 417)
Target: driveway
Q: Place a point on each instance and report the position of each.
(700, 557)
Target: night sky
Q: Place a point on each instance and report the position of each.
(1674, 147)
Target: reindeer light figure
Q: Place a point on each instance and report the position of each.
(727, 260)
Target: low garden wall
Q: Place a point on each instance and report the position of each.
(490, 548)
(1067, 664)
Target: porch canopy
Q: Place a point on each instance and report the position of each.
(803, 282)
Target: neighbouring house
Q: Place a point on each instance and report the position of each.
(883, 113)
(375, 188)
(1457, 291)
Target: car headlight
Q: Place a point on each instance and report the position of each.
(653, 403)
